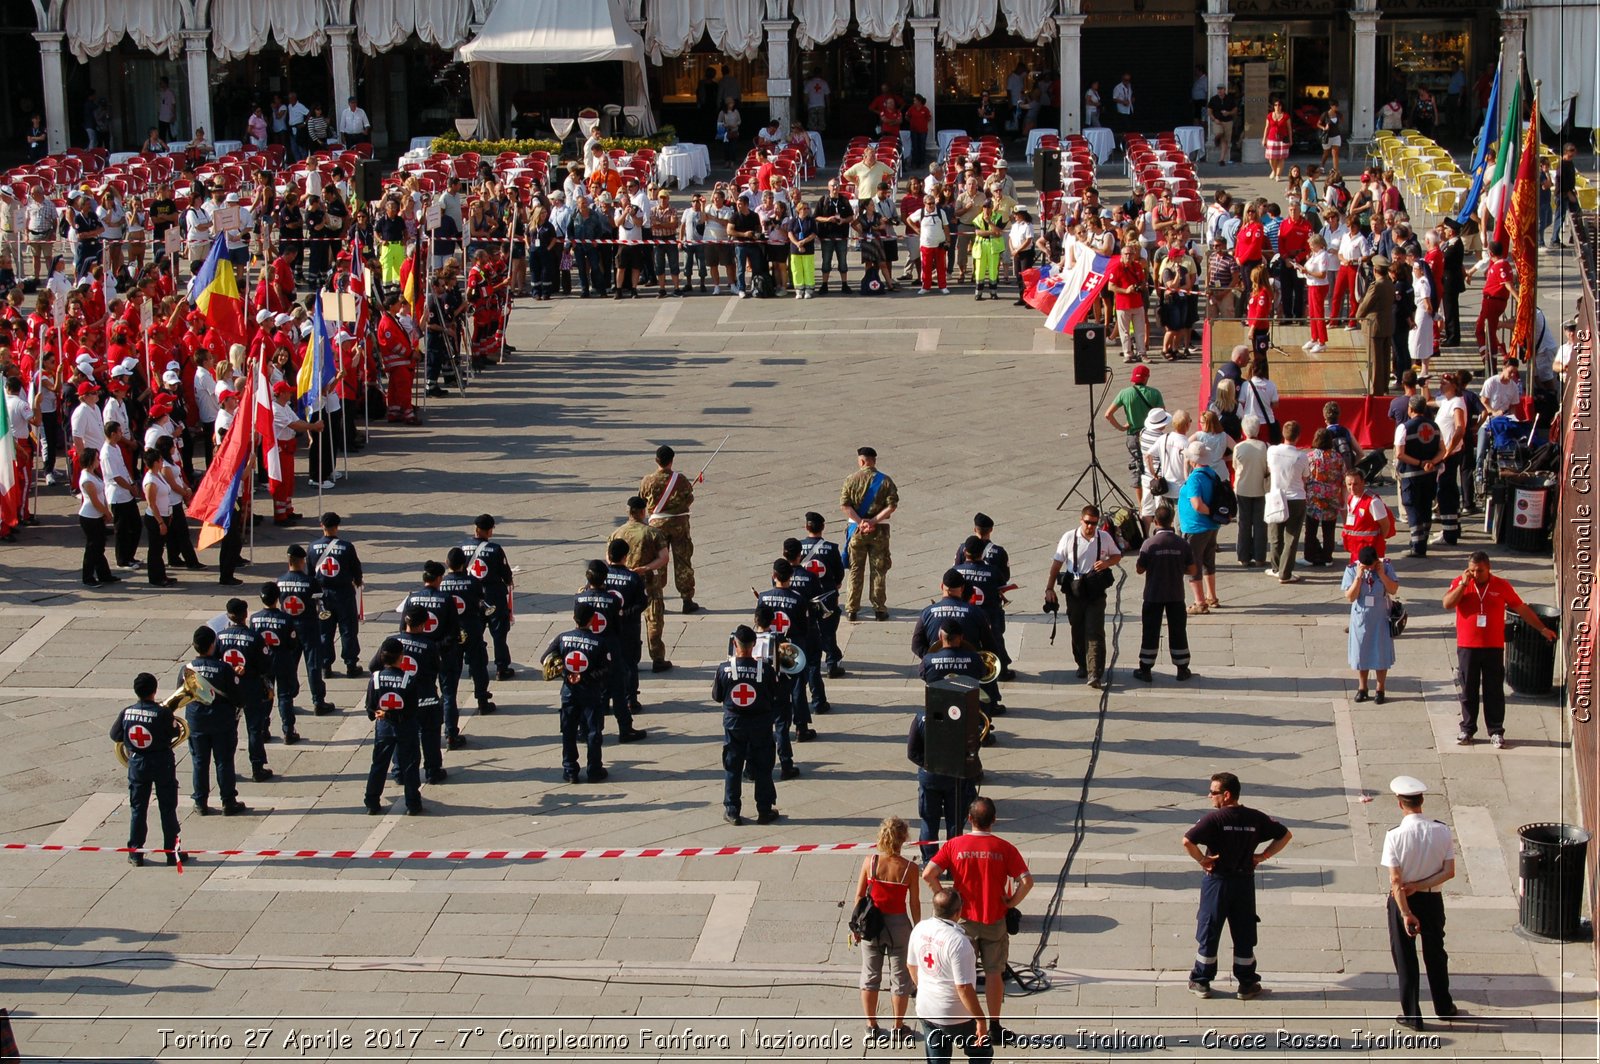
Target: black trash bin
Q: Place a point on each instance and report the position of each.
(1550, 888)
(1530, 658)
(1530, 512)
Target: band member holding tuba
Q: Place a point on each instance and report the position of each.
(147, 731)
(974, 629)
(792, 619)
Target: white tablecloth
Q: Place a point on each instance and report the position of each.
(945, 137)
(1035, 137)
(1192, 139)
(117, 158)
(223, 147)
(1101, 142)
(685, 164)
(422, 144)
(415, 157)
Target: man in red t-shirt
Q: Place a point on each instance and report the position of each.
(1481, 600)
(983, 868)
(1127, 279)
(919, 119)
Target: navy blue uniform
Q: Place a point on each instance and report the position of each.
(297, 596)
(941, 799)
(584, 657)
(487, 564)
(280, 642)
(812, 593)
(607, 624)
(419, 660)
(240, 644)
(467, 595)
(443, 630)
(333, 563)
(392, 705)
(1422, 443)
(145, 731)
(1228, 892)
(214, 732)
(998, 563)
(821, 558)
(634, 597)
(748, 691)
(975, 630)
(791, 619)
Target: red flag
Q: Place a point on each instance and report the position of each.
(1522, 230)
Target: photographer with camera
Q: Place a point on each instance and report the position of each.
(1082, 567)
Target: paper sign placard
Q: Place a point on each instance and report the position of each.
(146, 315)
(434, 217)
(171, 242)
(341, 306)
(225, 218)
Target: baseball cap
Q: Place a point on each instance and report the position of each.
(87, 388)
(1140, 374)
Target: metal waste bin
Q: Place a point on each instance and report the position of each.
(1530, 512)
(1530, 658)
(1550, 881)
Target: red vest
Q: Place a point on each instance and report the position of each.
(394, 346)
(1361, 529)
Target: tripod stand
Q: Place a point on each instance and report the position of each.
(1094, 471)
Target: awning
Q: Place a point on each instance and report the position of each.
(558, 31)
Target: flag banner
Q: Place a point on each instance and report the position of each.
(219, 491)
(1505, 163)
(8, 450)
(1522, 228)
(1041, 287)
(266, 423)
(1080, 287)
(1480, 158)
(316, 368)
(217, 293)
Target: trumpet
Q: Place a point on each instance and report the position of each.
(196, 688)
(991, 666)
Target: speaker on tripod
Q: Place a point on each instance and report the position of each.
(1047, 170)
(1089, 353)
(952, 724)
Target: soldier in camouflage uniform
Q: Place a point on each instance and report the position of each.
(869, 498)
(668, 496)
(647, 556)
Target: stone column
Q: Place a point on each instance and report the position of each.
(1513, 37)
(780, 86)
(1218, 27)
(341, 56)
(1069, 41)
(922, 35)
(1362, 87)
(196, 53)
(51, 60)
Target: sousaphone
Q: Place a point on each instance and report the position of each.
(196, 688)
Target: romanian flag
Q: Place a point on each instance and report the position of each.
(219, 491)
(217, 294)
(316, 368)
(1521, 221)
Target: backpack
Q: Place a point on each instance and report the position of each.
(1224, 503)
(1126, 528)
(765, 287)
(872, 282)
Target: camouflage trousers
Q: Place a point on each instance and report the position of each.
(655, 615)
(676, 532)
(869, 547)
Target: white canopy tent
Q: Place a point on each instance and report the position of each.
(554, 31)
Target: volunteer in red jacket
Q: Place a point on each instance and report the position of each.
(992, 879)
(1481, 600)
(1367, 521)
(1498, 278)
(399, 360)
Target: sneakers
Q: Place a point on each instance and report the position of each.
(1199, 989)
(944, 291)
(1497, 741)
(1463, 738)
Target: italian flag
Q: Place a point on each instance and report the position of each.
(8, 450)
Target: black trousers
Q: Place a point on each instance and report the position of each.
(320, 455)
(1429, 911)
(125, 519)
(1023, 260)
(95, 567)
(230, 549)
(155, 563)
(1481, 674)
(166, 791)
(180, 545)
(1177, 632)
(1086, 617)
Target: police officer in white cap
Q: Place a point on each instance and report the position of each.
(1420, 856)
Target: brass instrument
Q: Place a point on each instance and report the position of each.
(991, 666)
(791, 660)
(196, 688)
(551, 667)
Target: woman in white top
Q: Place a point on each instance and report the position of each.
(1164, 458)
(1091, 105)
(1258, 397)
(94, 515)
(180, 544)
(1318, 270)
(114, 219)
(157, 510)
(1217, 444)
(1422, 320)
(1286, 465)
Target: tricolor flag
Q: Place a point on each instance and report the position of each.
(266, 423)
(1480, 158)
(217, 293)
(358, 288)
(1522, 227)
(316, 368)
(1041, 287)
(1080, 287)
(8, 449)
(219, 491)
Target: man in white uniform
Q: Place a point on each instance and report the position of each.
(1420, 856)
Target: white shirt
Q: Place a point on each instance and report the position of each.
(1014, 87)
(157, 429)
(1171, 461)
(88, 426)
(1020, 236)
(282, 418)
(930, 228)
(205, 394)
(942, 957)
(240, 237)
(1418, 847)
(1250, 468)
(1287, 466)
(629, 231)
(1324, 261)
(87, 508)
(1123, 95)
(224, 419)
(115, 410)
(353, 121)
(1377, 510)
(1352, 247)
(112, 466)
(1078, 554)
(164, 494)
(817, 91)
(19, 414)
(298, 113)
(1446, 419)
(167, 106)
(1257, 396)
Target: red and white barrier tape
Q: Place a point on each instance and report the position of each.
(476, 855)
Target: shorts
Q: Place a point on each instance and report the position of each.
(719, 255)
(1204, 546)
(890, 947)
(991, 942)
(777, 254)
(630, 257)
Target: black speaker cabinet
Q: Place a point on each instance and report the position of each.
(1089, 353)
(369, 180)
(1047, 170)
(952, 724)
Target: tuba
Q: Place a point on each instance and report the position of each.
(991, 666)
(196, 688)
(791, 659)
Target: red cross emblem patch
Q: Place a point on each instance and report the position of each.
(742, 694)
(1427, 432)
(461, 603)
(977, 596)
(597, 623)
(140, 736)
(328, 566)
(293, 606)
(407, 663)
(431, 624)
(270, 638)
(577, 661)
(780, 622)
(477, 569)
(391, 702)
(814, 566)
(233, 656)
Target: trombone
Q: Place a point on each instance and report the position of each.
(195, 688)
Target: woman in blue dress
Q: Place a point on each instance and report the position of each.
(1369, 586)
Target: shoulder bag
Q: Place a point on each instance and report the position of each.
(866, 919)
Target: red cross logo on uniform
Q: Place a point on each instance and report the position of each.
(293, 606)
(780, 622)
(233, 657)
(1427, 431)
(140, 736)
(461, 603)
(597, 623)
(431, 624)
(927, 960)
(977, 596)
(477, 569)
(742, 694)
(407, 663)
(328, 566)
(814, 566)
(390, 702)
(577, 661)
(270, 638)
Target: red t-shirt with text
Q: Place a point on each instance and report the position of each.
(979, 866)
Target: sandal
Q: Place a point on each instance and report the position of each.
(1197, 609)
(1212, 604)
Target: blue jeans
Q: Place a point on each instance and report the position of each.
(1560, 217)
(939, 1042)
(752, 254)
(394, 743)
(942, 799)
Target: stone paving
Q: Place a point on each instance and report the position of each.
(971, 407)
